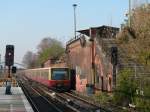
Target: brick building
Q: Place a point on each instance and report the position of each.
(79, 58)
(55, 62)
(91, 59)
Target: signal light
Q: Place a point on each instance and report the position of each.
(14, 69)
(9, 56)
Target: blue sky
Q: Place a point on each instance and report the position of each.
(24, 23)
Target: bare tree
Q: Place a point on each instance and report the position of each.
(30, 59)
(47, 48)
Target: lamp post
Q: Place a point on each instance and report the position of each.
(0, 65)
(0, 59)
(74, 7)
(129, 13)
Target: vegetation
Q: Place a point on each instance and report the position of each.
(132, 90)
(47, 48)
(102, 97)
(126, 88)
(142, 100)
(135, 39)
(30, 59)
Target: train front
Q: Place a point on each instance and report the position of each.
(60, 79)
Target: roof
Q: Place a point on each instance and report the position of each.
(86, 31)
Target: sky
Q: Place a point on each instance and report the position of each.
(24, 23)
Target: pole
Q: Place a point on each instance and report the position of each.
(93, 62)
(74, 6)
(129, 13)
(0, 66)
(0, 59)
(9, 71)
(93, 56)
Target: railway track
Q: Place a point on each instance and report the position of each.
(74, 102)
(28, 97)
(66, 102)
(40, 101)
(78, 103)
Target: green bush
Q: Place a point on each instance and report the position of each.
(102, 97)
(126, 88)
(126, 91)
(142, 102)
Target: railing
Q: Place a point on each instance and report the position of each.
(73, 39)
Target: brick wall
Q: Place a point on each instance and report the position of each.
(79, 58)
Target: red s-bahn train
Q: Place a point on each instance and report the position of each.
(57, 78)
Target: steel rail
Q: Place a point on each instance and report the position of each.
(28, 97)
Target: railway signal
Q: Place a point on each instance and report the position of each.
(9, 56)
(14, 69)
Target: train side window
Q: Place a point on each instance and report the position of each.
(47, 75)
(43, 75)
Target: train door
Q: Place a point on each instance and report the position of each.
(73, 79)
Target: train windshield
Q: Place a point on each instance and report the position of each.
(60, 74)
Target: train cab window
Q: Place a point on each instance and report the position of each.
(60, 74)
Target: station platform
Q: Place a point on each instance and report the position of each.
(16, 102)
